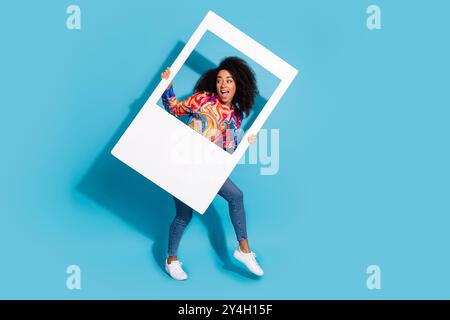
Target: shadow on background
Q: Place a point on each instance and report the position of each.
(138, 201)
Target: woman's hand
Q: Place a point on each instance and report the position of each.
(165, 75)
(252, 139)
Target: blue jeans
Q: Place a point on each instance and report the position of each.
(231, 193)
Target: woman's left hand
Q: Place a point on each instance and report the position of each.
(252, 139)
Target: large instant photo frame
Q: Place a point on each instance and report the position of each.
(174, 156)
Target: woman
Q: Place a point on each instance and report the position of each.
(223, 96)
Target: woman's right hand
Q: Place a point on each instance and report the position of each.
(165, 75)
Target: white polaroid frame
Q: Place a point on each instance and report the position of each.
(155, 139)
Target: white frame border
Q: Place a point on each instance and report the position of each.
(128, 150)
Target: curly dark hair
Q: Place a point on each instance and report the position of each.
(244, 77)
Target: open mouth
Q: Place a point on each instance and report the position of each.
(224, 93)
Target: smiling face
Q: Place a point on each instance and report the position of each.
(226, 87)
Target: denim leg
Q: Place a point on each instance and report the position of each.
(235, 198)
(179, 223)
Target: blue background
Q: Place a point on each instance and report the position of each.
(363, 179)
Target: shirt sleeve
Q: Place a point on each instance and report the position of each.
(175, 107)
(237, 131)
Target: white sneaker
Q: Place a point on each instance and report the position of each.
(249, 259)
(175, 270)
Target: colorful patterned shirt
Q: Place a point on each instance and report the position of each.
(208, 116)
